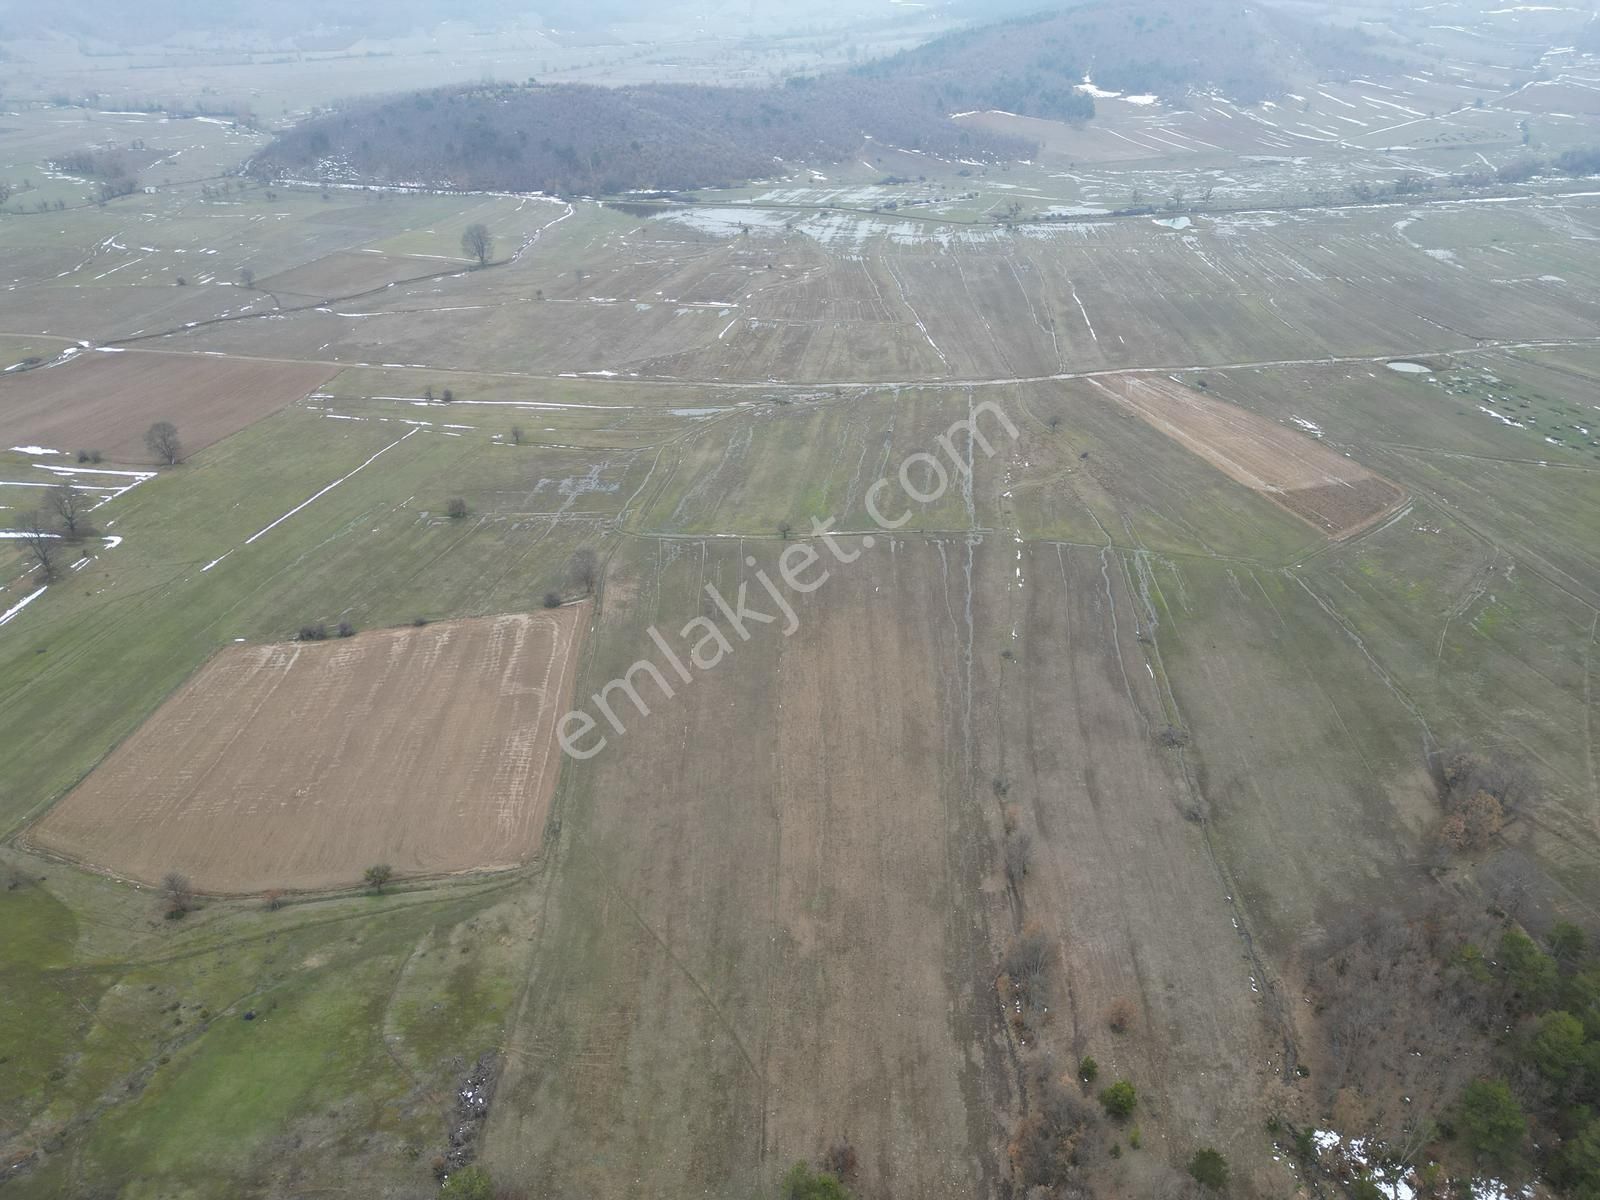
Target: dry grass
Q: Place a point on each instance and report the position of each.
(297, 766)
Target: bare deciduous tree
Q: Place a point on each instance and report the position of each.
(68, 505)
(40, 544)
(478, 242)
(585, 570)
(1120, 1015)
(178, 893)
(161, 439)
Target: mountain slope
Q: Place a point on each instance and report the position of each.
(1165, 47)
(573, 139)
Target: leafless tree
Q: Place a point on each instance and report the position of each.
(1027, 961)
(1120, 1015)
(585, 570)
(478, 242)
(41, 545)
(840, 1160)
(161, 439)
(177, 891)
(68, 505)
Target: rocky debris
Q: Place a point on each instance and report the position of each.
(473, 1095)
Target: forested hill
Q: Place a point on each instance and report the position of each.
(575, 139)
(1169, 48)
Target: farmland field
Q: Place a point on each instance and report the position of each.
(296, 766)
(1311, 481)
(1185, 503)
(106, 402)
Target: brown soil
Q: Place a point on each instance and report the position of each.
(1315, 482)
(106, 402)
(299, 765)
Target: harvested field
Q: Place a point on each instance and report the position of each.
(348, 272)
(297, 766)
(106, 402)
(1317, 484)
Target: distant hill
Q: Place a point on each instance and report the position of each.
(576, 139)
(1168, 48)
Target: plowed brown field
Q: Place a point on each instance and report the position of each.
(1315, 482)
(106, 402)
(299, 765)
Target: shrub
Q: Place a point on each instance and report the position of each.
(1209, 1168)
(802, 1183)
(469, 1183)
(375, 877)
(1044, 1149)
(419, 622)
(1018, 855)
(455, 508)
(1088, 1069)
(1120, 1099)
(312, 633)
(1120, 1015)
(1024, 969)
(346, 629)
(272, 899)
(840, 1159)
(552, 599)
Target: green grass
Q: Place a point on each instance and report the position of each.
(186, 1097)
(106, 644)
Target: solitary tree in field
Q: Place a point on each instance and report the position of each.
(161, 439)
(478, 242)
(585, 570)
(68, 505)
(178, 892)
(247, 277)
(377, 876)
(40, 544)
